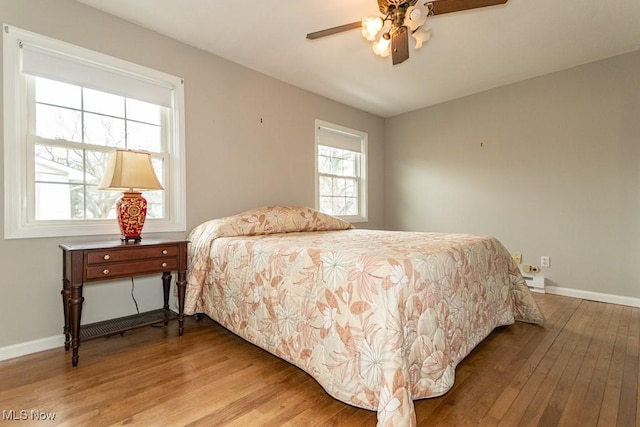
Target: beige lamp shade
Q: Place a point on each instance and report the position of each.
(129, 170)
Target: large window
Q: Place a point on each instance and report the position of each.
(65, 108)
(341, 171)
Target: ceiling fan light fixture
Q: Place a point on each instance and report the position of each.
(401, 18)
(383, 46)
(417, 14)
(420, 36)
(404, 17)
(371, 26)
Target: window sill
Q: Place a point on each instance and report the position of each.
(110, 227)
(354, 219)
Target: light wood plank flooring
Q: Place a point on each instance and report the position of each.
(579, 369)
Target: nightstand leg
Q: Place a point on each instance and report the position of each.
(181, 283)
(75, 305)
(66, 294)
(166, 286)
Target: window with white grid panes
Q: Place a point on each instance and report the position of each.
(341, 171)
(68, 107)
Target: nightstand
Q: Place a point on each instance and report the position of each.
(91, 262)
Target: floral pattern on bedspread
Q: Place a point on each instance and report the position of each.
(377, 318)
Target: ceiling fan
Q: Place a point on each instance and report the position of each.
(401, 18)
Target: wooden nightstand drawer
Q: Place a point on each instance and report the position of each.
(106, 271)
(130, 254)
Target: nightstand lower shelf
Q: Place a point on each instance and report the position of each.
(126, 323)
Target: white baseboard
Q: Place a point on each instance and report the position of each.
(22, 349)
(593, 296)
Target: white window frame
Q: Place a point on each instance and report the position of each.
(362, 167)
(18, 161)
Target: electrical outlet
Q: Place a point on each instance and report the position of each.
(517, 258)
(545, 261)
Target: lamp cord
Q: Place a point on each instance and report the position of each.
(133, 297)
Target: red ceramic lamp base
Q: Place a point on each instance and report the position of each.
(131, 209)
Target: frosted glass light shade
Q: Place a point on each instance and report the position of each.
(383, 46)
(421, 35)
(371, 26)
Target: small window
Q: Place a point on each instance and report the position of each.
(65, 108)
(341, 171)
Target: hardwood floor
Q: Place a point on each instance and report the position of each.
(579, 369)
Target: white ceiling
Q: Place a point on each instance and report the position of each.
(468, 52)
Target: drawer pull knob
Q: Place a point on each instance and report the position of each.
(164, 252)
(164, 264)
(107, 257)
(105, 271)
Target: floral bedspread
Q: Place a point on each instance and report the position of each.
(378, 318)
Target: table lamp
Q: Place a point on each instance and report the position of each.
(130, 171)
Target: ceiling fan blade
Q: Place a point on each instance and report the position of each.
(449, 6)
(400, 45)
(334, 30)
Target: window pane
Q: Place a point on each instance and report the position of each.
(324, 164)
(351, 206)
(326, 205)
(55, 201)
(351, 188)
(143, 111)
(95, 162)
(154, 204)
(336, 161)
(57, 93)
(59, 178)
(104, 130)
(338, 187)
(56, 164)
(59, 201)
(323, 150)
(58, 123)
(158, 168)
(344, 187)
(349, 167)
(101, 203)
(326, 186)
(338, 206)
(336, 166)
(141, 136)
(103, 103)
(77, 201)
(345, 163)
(155, 199)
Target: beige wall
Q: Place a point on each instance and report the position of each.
(558, 175)
(235, 161)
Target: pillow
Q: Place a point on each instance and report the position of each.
(274, 219)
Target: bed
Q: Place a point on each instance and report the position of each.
(378, 318)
